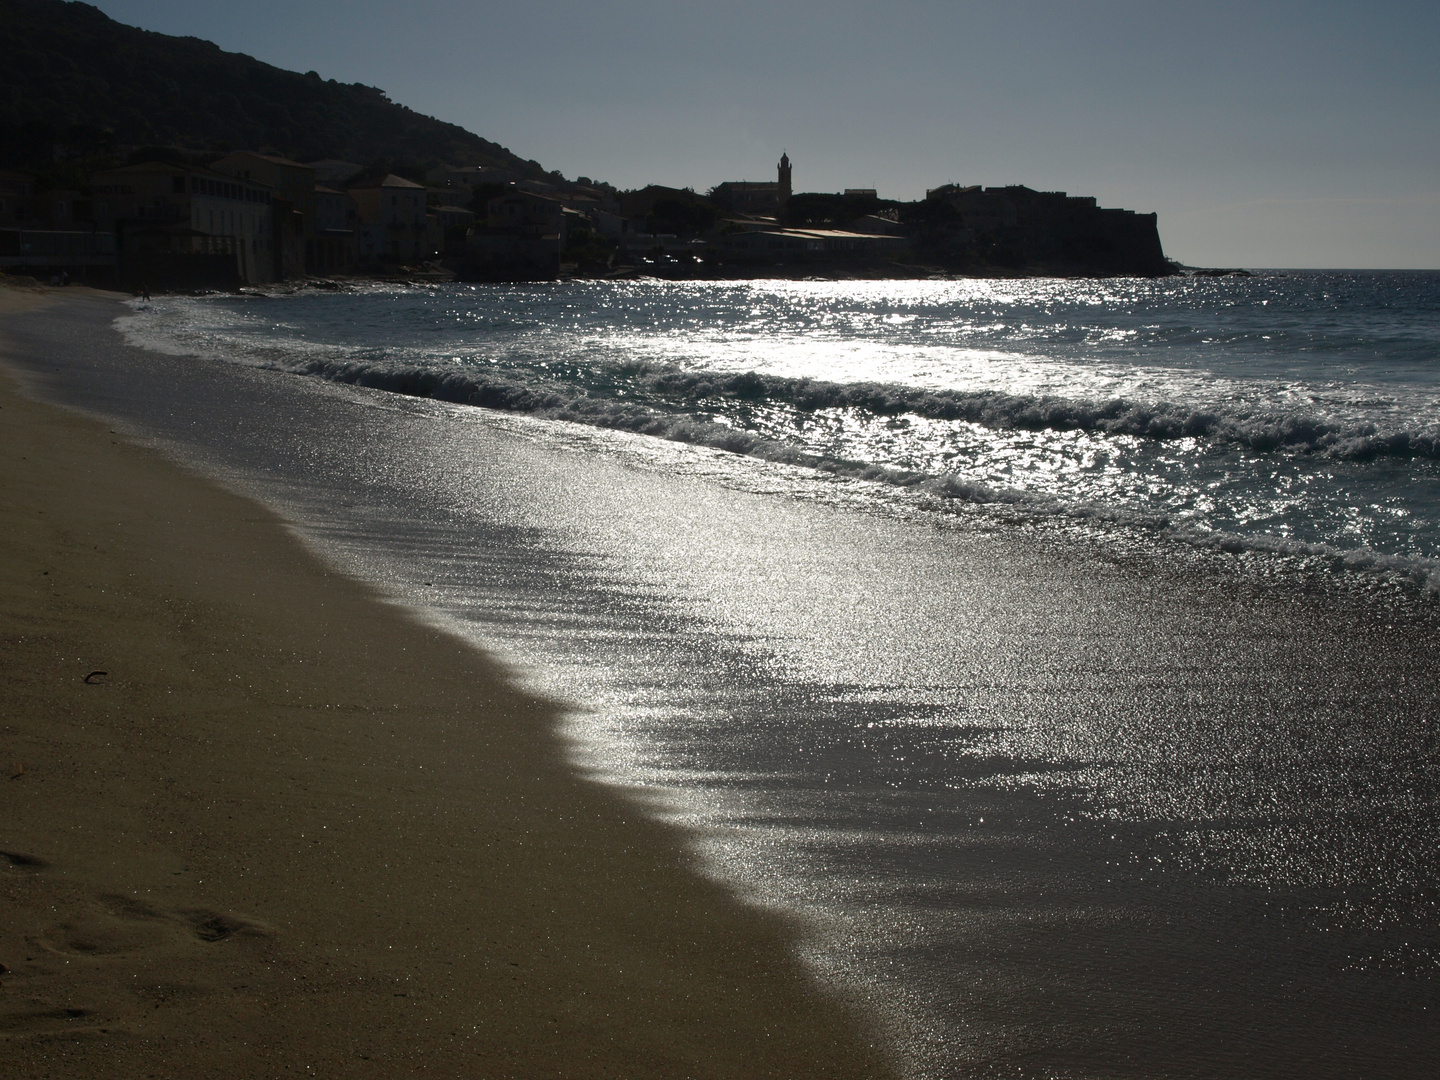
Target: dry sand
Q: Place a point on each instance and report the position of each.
(291, 831)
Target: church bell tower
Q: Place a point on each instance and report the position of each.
(784, 193)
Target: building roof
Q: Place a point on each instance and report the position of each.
(334, 170)
(390, 180)
(818, 234)
(161, 166)
(334, 163)
(523, 193)
(154, 165)
(272, 158)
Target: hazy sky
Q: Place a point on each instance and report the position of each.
(1264, 134)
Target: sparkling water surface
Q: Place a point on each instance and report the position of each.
(1054, 794)
(1281, 410)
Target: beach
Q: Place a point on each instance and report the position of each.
(257, 822)
(615, 748)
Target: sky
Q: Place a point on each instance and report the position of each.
(1263, 134)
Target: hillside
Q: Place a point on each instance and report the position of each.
(73, 78)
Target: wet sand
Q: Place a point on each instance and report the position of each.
(290, 830)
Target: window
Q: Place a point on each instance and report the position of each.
(177, 185)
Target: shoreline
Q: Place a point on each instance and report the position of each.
(1307, 558)
(1198, 709)
(290, 827)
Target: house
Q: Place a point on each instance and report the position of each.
(292, 188)
(393, 225)
(609, 225)
(457, 183)
(336, 220)
(526, 211)
(84, 254)
(184, 226)
(64, 208)
(23, 203)
(521, 239)
(16, 191)
(452, 226)
(46, 233)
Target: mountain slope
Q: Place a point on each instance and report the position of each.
(70, 75)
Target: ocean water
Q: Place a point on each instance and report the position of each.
(1060, 654)
(1289, 412)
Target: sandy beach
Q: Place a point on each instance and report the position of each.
(255, 822)
(1044, 800)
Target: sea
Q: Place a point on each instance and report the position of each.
(1291, 412)
(1059, 654)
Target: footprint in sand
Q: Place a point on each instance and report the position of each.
(102, 942)
(38, 1021)
(118, 925)
(18, 861)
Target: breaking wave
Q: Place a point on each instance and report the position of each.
(1260, 431)
(996, 410)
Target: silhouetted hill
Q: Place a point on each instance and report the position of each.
(72, 77)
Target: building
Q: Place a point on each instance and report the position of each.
(886, 224)
(756, 197)
(334, 173)
(50, 233)
(1019, 227)
(292, 187)
(771, 245)
(336, 220)
(526, 211)
(522, 238)
(456, 184)
(23, 203)
(393, 225)
(610, 225)
(16, 192)
(451, 225)
(182, 226)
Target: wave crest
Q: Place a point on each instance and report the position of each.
(1259, 431)
(1255, 430)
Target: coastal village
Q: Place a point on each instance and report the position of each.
(143, 161)
(221, 221)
